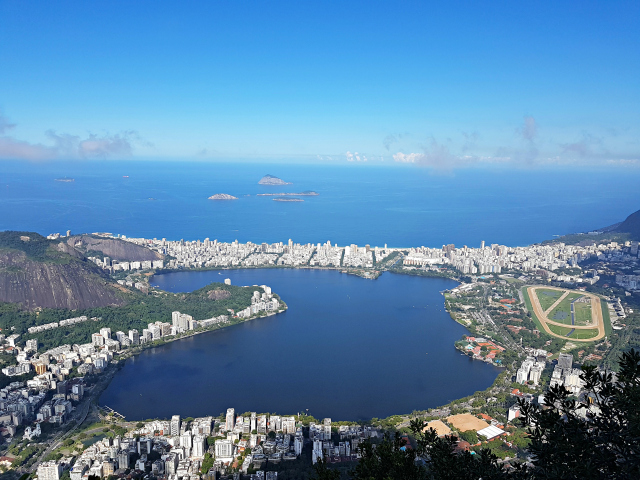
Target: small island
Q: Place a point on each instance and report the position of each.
(271, 180)
(222, 196)
(65, 179)
(307, 193)
(287, 199)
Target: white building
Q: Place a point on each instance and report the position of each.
(224, 449)
(49, 471)
(230, 419)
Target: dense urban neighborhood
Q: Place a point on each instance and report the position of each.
(53, 428)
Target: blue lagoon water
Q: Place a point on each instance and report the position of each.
(400, 205)
(347, 348)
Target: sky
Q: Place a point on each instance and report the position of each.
(445, 85)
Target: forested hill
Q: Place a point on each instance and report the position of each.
(36, 272)
(210, 301)
(631, 226)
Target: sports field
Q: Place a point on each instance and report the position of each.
(567, 314)
(547, 297)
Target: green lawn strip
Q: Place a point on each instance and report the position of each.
(584, 334)
(547, 297)
(583, 313)
(605, 317)
(559, 330)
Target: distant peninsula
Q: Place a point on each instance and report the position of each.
(287, 199)
(307, 193)
(271, 180)
(222, 196)
(65, 179)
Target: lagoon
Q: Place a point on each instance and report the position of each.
(347, 348)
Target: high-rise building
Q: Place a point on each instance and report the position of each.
(105, 332)
(253, 421)
(230, 420)
(175, 425)
(171, 464)
(199, 446)
(224, 448)
(32, 345)
(107, 468)
(49, 471)
(134, 336)
(327, 428)
(123, 459)
(246, 427)
(565, 361)
(185, 440)
(289, 425)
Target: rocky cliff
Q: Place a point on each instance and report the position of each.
(114, 248)
(271, 180)
(36, 272)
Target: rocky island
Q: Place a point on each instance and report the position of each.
(307, 193)
(222, 196)
(271, 180)
(287, 199)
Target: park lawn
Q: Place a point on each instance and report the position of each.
(563, 331)
(564, 306)
(584, 334)
(583, 313)
(605, 316)
(548, 297)
(90, 441)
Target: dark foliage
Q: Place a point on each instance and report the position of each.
(36, 248)
(594, 438)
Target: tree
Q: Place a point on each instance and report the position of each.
(323, 472)
(469, 436)
(597, 438)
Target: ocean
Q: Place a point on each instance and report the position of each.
(400, 206)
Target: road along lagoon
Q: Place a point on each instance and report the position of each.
(347, 348)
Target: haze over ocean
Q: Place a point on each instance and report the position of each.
(401, 206)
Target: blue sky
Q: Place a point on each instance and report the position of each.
(446, 85)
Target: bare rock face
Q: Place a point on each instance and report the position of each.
(114, 248)
(222, 196)
(218, 294)
(271, 180)
(68, 283)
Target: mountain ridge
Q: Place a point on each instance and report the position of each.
(39, 273)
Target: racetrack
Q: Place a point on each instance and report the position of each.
(596, 313)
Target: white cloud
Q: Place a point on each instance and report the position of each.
(66, 146)
(355, 157)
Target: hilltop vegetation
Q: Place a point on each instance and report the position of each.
(33, 245)
(631, 226)
(139, 311)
